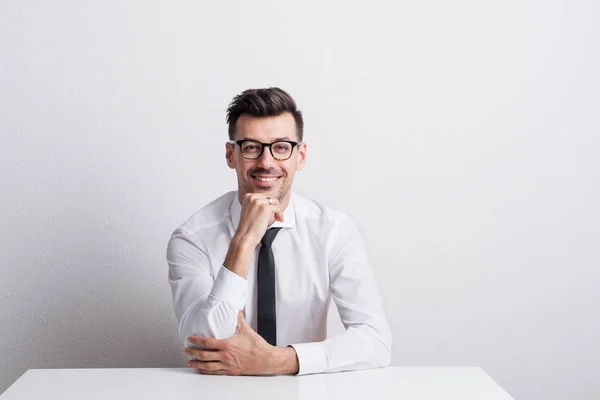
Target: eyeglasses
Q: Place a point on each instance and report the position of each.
(251, 149)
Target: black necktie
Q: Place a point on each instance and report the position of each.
(266, 320)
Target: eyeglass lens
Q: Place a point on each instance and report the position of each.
(279, 150)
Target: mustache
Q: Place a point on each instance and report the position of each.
(262, 171)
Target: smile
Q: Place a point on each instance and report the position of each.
(264, 178)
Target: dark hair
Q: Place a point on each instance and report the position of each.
(269, 102)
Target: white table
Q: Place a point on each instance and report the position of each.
(398, 383)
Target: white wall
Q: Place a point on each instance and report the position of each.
(463, 137)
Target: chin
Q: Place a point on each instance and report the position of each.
(276, 192)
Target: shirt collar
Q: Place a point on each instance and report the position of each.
(289, 216)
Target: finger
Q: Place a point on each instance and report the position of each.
(206, 365)
(265, 198)
(203, 355)
(265, 209)
(279, 216)
(262, 202)
(264, 205)
(260, 198)
(274, 201)
(209, 372)
(207, 343)
(241, 321)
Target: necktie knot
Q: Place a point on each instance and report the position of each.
(269, 236)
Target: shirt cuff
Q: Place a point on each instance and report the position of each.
(230, 288)
(311, 357)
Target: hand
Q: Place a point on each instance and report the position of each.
(256, 216)
(245, 353)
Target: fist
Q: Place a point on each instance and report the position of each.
(258, 212)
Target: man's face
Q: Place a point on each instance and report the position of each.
(250, 172)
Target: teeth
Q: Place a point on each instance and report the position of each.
(262, 179)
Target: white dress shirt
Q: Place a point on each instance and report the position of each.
(319, 255)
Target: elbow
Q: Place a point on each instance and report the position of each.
(210, 323)
(377, 347)
(384, 355)
(384, 346)
(385, 359)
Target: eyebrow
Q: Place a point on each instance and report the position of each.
(276, 139)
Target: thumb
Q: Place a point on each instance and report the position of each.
(279, 216)
(241, 321)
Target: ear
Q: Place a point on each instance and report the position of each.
(302, 156)
(229, 149)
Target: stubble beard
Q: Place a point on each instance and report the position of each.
(280, 195)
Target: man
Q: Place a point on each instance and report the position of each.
(253, 272)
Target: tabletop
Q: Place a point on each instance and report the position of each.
(406, 383)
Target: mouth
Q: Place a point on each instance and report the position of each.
(264, 180)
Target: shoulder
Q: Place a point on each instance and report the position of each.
(334, 229)
(313, 211)
(211, 215)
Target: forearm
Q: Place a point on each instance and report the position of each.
(239, 256)
(359, 347)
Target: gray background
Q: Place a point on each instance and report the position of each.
(462, 137)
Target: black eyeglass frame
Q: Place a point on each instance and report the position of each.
(263, 145)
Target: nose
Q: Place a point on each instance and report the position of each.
(266, 159)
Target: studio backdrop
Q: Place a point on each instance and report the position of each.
(462, 138)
